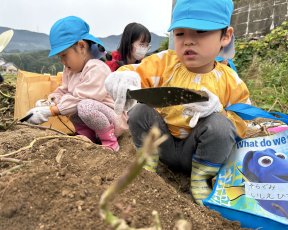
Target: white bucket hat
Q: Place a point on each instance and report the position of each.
(5, 38)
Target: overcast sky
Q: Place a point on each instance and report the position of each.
(105, 17)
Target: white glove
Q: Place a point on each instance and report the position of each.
(40, 115)
(45, 102)
(202, 109)
(117, 84)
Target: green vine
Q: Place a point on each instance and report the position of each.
(262, 64)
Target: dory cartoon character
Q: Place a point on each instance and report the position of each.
(266, 166)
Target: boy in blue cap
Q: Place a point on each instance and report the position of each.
(200, 135)
(82, 95)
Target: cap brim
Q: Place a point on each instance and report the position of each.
(195, 24)
(5, 38)
(94, 39)
(59, 49)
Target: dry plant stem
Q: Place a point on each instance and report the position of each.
(12, 160)
(5, 95)
(156, 220)
(41, 138)
(11, 170)
(275, 102)
(59, 155)
(3, 109)
(150, 146)
(40, 127)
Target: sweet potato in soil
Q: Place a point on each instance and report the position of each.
(60, 186)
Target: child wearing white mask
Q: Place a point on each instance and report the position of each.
(134, 44)
(140, 49)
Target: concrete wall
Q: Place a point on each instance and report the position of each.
(253, 18)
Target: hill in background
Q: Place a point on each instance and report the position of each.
(27, 41)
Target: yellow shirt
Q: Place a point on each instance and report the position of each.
(165, 69)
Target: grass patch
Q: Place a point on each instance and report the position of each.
(263, 65)
(10, 78)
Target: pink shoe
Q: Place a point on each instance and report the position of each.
(108, 138)
(84, 130)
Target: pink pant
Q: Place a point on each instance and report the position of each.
(92, 117)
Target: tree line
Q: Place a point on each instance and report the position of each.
(37, 62)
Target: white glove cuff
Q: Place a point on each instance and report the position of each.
(44, 102)
(194, 120)
(130, 79)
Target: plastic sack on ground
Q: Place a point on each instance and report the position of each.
(31, 87)
(252, 186)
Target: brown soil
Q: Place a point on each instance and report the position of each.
(48, 193)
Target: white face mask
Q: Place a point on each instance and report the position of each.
(140, 52)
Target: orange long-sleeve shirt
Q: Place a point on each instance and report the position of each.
(165, 69)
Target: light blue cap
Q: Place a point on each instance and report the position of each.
(67, 31)
(202, 14)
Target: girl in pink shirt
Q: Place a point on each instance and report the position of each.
(82, 95)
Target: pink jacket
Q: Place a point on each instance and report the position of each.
(88, 84)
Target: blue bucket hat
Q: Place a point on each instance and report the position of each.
(67, 31)
(202, 14)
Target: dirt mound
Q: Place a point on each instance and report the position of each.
(60, 185)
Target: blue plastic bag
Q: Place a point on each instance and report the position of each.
(252, 186)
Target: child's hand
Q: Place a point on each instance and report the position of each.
(202, 109)
(40, 115)
(117, 84)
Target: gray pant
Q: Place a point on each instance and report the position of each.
(210, 141)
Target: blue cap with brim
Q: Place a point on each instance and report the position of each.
(201, 14)
(67, 31)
